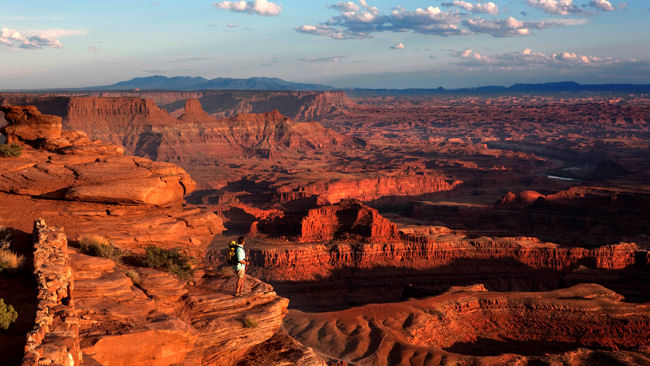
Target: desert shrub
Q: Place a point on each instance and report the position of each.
(8, 315)
(5, 237)
(10, 260)
(171, 260)
(99, 246)
(249, 323)
(10, 150)
(133, 275)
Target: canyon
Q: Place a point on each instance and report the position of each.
(380, 230)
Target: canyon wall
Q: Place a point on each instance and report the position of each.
(299, 106)
(368, 189)
(54, 340)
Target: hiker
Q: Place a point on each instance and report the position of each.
(240, 266)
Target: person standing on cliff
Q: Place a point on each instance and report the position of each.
(240, 266)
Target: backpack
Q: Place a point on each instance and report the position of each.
(231, 254)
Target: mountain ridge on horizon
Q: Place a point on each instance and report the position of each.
(198, 83)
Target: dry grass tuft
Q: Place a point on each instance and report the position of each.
(99, 246)
(10, 260)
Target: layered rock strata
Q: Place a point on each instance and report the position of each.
(368, 189)
(473, 326)
(67, 165)
(54, 340)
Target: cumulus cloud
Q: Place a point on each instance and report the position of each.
(528, 59)
(327, 31)
(399, 46)
(489, 7)
(259, 7)
(360, 20)
(561, 7)
(36, 40)
(511, 27)
(603, 5)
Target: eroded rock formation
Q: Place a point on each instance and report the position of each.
(467, 326)
(67, 165)
(26, 123)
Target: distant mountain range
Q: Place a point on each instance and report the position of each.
(159, 82)
(540, 88)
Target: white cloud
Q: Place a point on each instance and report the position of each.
(360, 20)
(512, 27)
(37, 39)
(529, 59)
(603, 5)
(489, 7)
(327, 31)
(399, 46)
(561, 7)
(94, 49)
(259, 7)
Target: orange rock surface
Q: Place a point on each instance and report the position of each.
(487, 328)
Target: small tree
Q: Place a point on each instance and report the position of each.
(7, 315)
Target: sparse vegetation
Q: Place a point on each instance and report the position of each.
(171, 260)
(133, 275)
(99, 246)
(9, 260)
(10, 150)
(249, 323)
(8, 315)
(5, 237)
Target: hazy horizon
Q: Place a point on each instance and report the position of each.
(365, 44)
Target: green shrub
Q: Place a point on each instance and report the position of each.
(249, 323)
(99, 246)
(10, 150)
(7, 315)
(171, 260)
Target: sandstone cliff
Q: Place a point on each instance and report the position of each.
(368, 189)
(244, 135)
(67, 165)
(90, 310)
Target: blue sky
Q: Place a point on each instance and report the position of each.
(383, 43)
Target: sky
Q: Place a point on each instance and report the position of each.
(360, 43)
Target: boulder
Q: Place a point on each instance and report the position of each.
(27, 124)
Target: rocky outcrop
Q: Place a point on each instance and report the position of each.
(318, 260)
(67, 165)
(55, 337)
(27, 124)
(331, 276)
(262, 135)
(582, 323)
(300, 106)
(120, 324)
(368, 189)
(347, 220)
(164, 321)
(124, 121)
